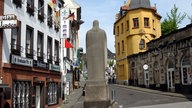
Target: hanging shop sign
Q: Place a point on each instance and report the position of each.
(64, 23)
(21, 61)
(8, 21)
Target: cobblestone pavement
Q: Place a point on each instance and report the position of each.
(76, 100)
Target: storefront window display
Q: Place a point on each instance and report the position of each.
(52, 96)
(21, 91)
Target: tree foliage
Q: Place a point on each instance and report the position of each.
(172, 21)
(111, 63)
(190, 18)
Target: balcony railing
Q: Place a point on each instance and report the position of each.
(29, 53)
(16, 49)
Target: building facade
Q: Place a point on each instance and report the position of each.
(137, 23)
(70, 75)
(30, 53)
(166, 65)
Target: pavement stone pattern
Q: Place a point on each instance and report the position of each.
(73, 98)
(76, 100)
(170, 105)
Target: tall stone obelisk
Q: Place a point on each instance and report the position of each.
(97, 91)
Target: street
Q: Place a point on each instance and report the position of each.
(134, 98)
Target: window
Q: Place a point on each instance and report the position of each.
(40, 46)
(135, 22)
(123, 48)
(30, 7)
(52, 93)
(15, 39)
(142, 44)
(185, 71)
(146, 22)
(122, 28)
(153, 24)
(56, 52)
(18, 3)
(49, 50)
(29, 42)
(117, 30)
(21, 94)
(118, 48)
(41, 10)
(127, 25)
(49, 19)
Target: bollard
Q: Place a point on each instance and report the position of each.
(113, 94)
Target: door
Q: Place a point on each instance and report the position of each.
(171, 79)
(146, 78)
(37, 98)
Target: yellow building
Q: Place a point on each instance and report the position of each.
(136, 24)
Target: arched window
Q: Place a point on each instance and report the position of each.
(142, 44)
(186, 74)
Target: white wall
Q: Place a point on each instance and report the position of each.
(26, 19)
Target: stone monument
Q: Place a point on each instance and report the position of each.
(97, 91)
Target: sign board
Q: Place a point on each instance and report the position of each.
(40, 64)
(8, 21)
(64, 23)
(54, 67)
(21, 61)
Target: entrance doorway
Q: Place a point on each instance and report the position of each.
(37, 96)
(146, 78)
(171, 79)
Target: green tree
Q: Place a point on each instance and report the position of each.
(190, 18)
(111, 63)
(172, 21)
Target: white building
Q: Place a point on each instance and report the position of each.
(30, 57)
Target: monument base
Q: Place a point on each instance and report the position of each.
(96, 104)
(97, 95)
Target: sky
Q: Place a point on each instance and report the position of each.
(105, 10)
